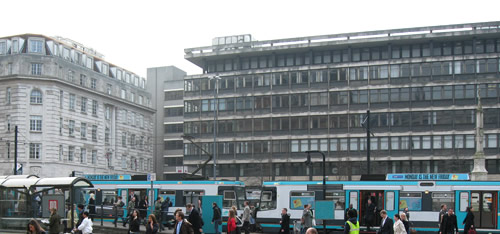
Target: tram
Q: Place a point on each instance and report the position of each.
(422, 194)
(180, 193)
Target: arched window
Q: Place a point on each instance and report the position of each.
(36, 96)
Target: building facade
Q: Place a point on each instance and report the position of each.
(75, 111)
(280, 98)
(166, 84)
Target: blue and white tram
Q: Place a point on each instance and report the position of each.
(180, 192)
(422, 198)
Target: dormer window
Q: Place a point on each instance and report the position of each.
(3, 47)
(36, 46)
(105, 69)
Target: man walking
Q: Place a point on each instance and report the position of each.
(449, 223)
(306, 218)
(386, 227)
(246, 217)
(194, 218)
(217, 218)
(352, 224)
(165, 205)
(118, 209)
(285, 222)
(130, 210)
(370, 214)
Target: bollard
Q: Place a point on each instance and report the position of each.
(102, 213)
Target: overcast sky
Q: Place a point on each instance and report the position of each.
(140, 34)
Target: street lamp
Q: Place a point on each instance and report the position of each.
(216, 108)
(308, 162)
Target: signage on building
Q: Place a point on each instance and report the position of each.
(427, 176)
(107, 177)
(181, 169)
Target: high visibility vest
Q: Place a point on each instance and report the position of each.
(354, 229)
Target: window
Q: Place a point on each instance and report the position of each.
(94, 107)
(108, 113)
(71, 153)
(36, 69)
(83, 80)
(109, 89)
(36, 96)
(124, 139)
(84, 105)
(35, 150)
(8, 95)
(61, 153)
(94, 157)
(412, 201)
(300, 198)
(442, 198)
(83, 130)
(94, 132)
(36, 46)
(107, 133)
(70, 75)
(123, 94)
(93, 83)
(72, 101)
(3, 47)
(61, 99)
(71, 128)
(175, 111)
(8, 123)
(83, 155)
(36, 123)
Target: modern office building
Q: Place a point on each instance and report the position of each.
(75, 112)
(280, 98)
(166, 84)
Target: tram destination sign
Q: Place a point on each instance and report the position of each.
(427, 176)
(107, 177)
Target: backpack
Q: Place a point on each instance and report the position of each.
(121, 204)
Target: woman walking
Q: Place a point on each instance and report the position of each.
(135, 223)
(231, 222)
(398, 227)
(469, 220)
(152, 226)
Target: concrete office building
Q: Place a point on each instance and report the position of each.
(166, 84)
(280, 98)
(75, 111)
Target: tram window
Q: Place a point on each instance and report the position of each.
(442, 198)
(268, 199)
(464, 201)
(168, 193)
(300, 198)
(338, 198)
(192, 196)
(108, 197)
(412, 201)
(390, 201)
(229, 199)
(240, 195)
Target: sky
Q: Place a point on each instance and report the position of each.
(137, 35)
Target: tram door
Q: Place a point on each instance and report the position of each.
(377, 198)
(484, 206)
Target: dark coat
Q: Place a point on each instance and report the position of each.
(285, 224)
(407, 226)
(143, 208)
(370, 212)
(217, 214)
(55, 224)
(153, 230)
(468, 221)
(448, 224)
(387, 227)
(186, 228)
(135, 224)
(92, 206)
(195, 220)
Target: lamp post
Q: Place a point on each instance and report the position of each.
(324, 176)
(216, 108)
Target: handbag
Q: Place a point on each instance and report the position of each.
(472, 231)
(413, 231)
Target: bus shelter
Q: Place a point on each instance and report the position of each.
(25, 197)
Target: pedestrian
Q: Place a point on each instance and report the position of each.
(442, 212)
(246, 217)
(449, 223)
(34, 227)
(370, 214)
(152, 226)
(130, 210)
(91, 206)
(235, 210)
(143, 208)
(216, 218)
(407, 213)
(405, 221)
(85, 226)
(157, 209)
(165, 205)
(194, 218)
(285, 222)
(54, 222)
(398, 226)
(231, 222)
(311, 230)
(118, 209)
(346, 216)
(71, 214)
(386, 226)
(306, 219)
(352, 224)
(469, 220)
(80, 210)
(135, 223)
(182, 226)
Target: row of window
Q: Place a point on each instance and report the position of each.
(408, 120)
(36, 45)
(136, 164)
(380, 72)
(389, 51)
(392, 95)
(394, 143)
(132, 119)
(139, 142)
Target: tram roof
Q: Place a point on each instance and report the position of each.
(45, 182)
